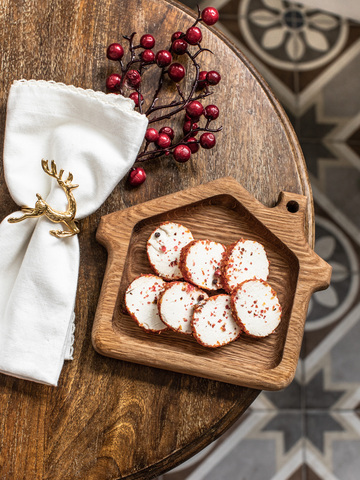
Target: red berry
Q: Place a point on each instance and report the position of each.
(213, 77)
(168, 130)
(151, 135)
(115, 51)
(133, 78)
(192, 144)
(194, 109)
(193, 35)
(163, 58)
(176, 72)
(147, 41)
(211, 112)
(210, 15)
(176, 35)
(207, 140)
(192, 119)
(179, 46)
(190, 126)
(202, 79)
(182, 153)
(148, 56)
(135, 97)
(164, 141)
(113, 82)
(137, 176)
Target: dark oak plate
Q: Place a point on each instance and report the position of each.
(221, 211)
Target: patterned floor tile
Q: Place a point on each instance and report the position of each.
(290, 398)
(328, 307)
(332, 333)
(265, 445)
(333, 445)
(319, 395)
(254, 26)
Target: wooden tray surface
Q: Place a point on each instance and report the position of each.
(222, 211)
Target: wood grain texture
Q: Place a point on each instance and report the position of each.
(221, 211)
(110, 418)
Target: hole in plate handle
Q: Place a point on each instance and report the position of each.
(293, 206)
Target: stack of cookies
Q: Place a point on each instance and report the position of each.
(204, 288)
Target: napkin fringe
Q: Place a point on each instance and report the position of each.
(70, 355)
(102, 97)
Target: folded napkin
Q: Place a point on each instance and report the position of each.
(94, 136)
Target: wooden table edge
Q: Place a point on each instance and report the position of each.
(178, 457)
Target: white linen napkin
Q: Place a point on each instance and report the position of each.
(94, 136)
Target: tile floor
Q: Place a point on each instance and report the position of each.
(311, 430)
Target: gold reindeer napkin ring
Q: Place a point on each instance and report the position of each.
(42, 208)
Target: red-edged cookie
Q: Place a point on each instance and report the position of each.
(256, 308)
(163, 249)
(176, 305)
(213, 324)
(243, 260)
(200, 263)
(141, 302)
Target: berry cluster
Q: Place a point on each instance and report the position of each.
(163, 141)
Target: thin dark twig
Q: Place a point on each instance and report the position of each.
(198, 16)
(125, 69)
(180, 92)
(156, 94)
(174, 103)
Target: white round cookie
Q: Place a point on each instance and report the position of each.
(213, 324)
(176, 305)
(200, 263)
(244, 260)
(141, 302)
(163, 249)
(256, 308)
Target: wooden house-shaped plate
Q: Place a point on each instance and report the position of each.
(222, 211)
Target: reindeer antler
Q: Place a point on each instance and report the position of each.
(58, 176)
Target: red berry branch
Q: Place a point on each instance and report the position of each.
(141, 57)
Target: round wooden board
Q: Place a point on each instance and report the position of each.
(109, 418)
